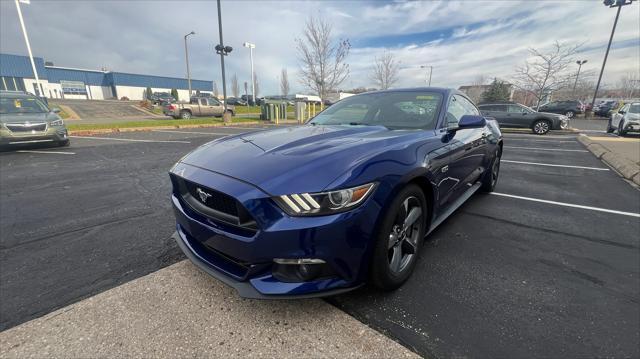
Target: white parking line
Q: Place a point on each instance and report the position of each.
(52, 152)
(195, 133)
(527, 139)
(630, 214)
(127, 139)
(538, 136)
(552, 165)
(544, 149)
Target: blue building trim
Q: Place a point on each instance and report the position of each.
(20, 66)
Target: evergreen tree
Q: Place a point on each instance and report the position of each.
(148, 93)
(174, 94)
(498, 91)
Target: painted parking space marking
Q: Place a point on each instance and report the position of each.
(552, 165)
(195, 132)
(543, 149)
(553, 141)
(598, 209)
(51, 152)
(127, 139)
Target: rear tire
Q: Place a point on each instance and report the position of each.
(185, 115)
(490, 178)
(541, 127)
(64, 143)
(397, 245)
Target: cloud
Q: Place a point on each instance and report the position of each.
(460, 39)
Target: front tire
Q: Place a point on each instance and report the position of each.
(570, 114)
(399, 239)
(541, 127)
(64, 143)
(490, 178)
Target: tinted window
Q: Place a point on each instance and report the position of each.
(516, 109)
(394, 110)
(455, 111)
(469, 107)
(501, 108)
(634, 108)
(22, 105)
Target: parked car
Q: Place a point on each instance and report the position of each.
(26, 119)
(319, 209)
(626, 119)
(568, 108)
(236, 101)
(615, 108)
(198, 106)
(602, 109)
(520, 116)
(249, 98)
(160, 97)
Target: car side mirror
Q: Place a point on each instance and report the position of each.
(55, 110)
(472, 121)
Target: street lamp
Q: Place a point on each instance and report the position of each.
(580, 63)
(251, 46)
(222, 51)
(26, 40)
(430, 72)
(186, 55)
(610, 3)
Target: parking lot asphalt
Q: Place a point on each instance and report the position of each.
(548, 266)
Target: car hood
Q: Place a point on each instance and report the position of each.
(296, 159)
(550, 115)
(27, 117)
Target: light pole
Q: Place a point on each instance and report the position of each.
(430, 72)
(222, 51)
(251, 46)
(186, 55)
(580, 63)
(26, 40)
(610, 3)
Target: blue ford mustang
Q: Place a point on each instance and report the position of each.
(345, 199)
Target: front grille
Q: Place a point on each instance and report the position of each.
(213, 199)
(214, 205)
(26, 127)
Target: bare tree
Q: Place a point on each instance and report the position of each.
(323, 64)
(284, 83)
(385, 70)
(546, 71)
(235, 87)
(246, 88)
(629, 85)
(216, 92)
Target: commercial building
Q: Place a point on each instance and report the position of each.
(65, 82)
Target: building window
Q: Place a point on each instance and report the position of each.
(9, 83)
(73, 87)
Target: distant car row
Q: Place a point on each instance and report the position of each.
(515, 115)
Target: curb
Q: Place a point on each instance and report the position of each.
(626, 168)
(151, 128)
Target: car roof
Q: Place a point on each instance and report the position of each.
(441, 90)
(16, 94)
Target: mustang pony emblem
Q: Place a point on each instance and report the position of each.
(203, 195)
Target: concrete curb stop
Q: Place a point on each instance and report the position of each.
(151, 128)
(626, 168)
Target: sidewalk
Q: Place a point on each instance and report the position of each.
(621, 153)
(181, 312)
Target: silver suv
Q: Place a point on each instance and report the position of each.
(26, 119)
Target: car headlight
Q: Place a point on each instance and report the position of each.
(317, 204)
(57, 123)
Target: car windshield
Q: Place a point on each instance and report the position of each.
(22, 105)
(393, 110)
(635, 108)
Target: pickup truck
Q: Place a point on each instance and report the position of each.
(198, 106)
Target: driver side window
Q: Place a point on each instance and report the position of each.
(455, 111)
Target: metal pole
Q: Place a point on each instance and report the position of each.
(26, 40)
(253, 77)
(430, 72)
(577, 75)
(186, 55)
(595, 94)
(224, 81)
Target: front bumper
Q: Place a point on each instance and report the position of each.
(632, 126)
(51, 135)
(245, 260)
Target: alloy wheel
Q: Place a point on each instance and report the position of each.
(569, 114)
(403, 239)
(541, 127)
(495, 171)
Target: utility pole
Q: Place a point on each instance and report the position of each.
(222, 51)
(26, 40)
(580, 63)
(251, 46)
(610, 3)
(430, 72)
(186, 55)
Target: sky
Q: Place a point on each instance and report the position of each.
(462, 40)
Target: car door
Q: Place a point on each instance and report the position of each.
(499, 112)
(216, 107)
(519, 116)
(205, 108)
(467, 152)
